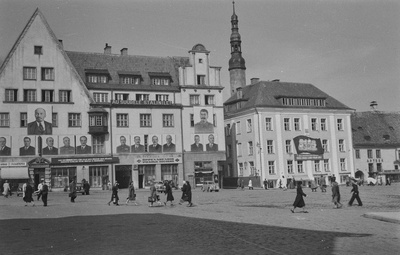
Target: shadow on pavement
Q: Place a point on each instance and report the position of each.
(158, 233)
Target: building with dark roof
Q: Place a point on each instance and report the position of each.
(376, 142)
(285, 131)
(115, 117)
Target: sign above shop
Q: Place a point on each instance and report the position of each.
(94, 160)
(11, 164)
(308, 157)
(159, 159)
(140, 102)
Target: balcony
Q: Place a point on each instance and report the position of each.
(98, 130)
(98, 121)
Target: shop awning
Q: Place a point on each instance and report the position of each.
(301, 178)
(14, 173)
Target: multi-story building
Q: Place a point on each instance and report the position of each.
(280, 130)
(376, 143)
(110, 117)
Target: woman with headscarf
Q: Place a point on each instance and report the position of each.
(168, 192)
(186, 193)
(299, 201)
(131, 194)
(153, 194)
(27, 194)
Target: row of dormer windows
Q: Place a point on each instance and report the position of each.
(31, 95)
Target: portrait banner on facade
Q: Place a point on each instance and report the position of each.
(39, 120)
(26, 145)
(137, 142)
(123, 144)
(203, 119)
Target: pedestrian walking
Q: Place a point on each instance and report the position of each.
(39, 191)
(168, 192)
(238, 183)
(153, 195)
(250, 185)
(336, 194)
(282, 183)
(72, 190)
(355, 193)
(187, 193)
(242, 184)
(388, 181)
(131, 194)
(323, 184)
(6, 189)
(299, 201)
(45, 192)
(86, 187)
(265, 184)
(27, 192)
(114, 194)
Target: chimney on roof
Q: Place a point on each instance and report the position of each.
(254, 80)
(374, 105)
(124, 52)
(239, 91)
(107, 49)
(61, 43)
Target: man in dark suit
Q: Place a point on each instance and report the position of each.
(67, 148)
(40, 126)
(83, 148)
(211, 146)
(169, 146)
(123, 148)
(50, 149)
(203, 126)
(27, 149)
(197, 146)
(155, 147)
(137, 147)
(4, 150)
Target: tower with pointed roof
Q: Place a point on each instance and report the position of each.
(237, 65)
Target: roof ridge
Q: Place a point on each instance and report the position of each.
(119, 55)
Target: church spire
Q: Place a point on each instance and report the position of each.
(237, 64)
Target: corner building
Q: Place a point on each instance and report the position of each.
(113, 117)
(283, 131)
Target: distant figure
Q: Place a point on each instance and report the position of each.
(40, 126)
(4, 150)
(250, 185)
(388, 181)
(50, 149)
(114, 194)
(203, 126)
(67, 148)
(168, 192)
(242, 184)
(299, 201)
(155, 147)
(72, 190)
(6, 189)
(123, 148)
(137, 147)
(40, 188)
(323, 184)
(45, 192)
(27, 149)
(83, 148)
(131, 194)
(265, 184)
(355, 193)
(27, 192)
(186, 193)
(211, 146)
(197, 146)
(336, 194)
(153, 195)
(282, 183)
(86, 187)
(169, 146)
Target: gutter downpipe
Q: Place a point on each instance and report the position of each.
(260, 143)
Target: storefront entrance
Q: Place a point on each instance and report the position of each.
(123, 175)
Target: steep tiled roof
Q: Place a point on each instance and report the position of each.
(376, 129)
(268, 93)
(125, 64)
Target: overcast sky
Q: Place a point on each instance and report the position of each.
(347, 48)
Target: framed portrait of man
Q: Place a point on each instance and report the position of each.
(39, 120)
(67, 144)
(203, 119)
(154, 143)
(137, 142)
(211, 143)
(27, 145)
(5, 145)
(197, 143)
(83, 144)
(122, 144)
(169, 143)
(50, 145)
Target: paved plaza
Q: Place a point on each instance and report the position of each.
(228, 222)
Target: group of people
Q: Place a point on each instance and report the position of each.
(154, 197)
(299, 201)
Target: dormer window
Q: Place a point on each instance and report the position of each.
(160, 78)
(201, 80)
(97, 75)
(133, 78)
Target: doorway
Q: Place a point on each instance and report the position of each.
(123, 175)
(38, 175)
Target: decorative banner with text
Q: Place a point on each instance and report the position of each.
(308, 148)
(159, 159)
